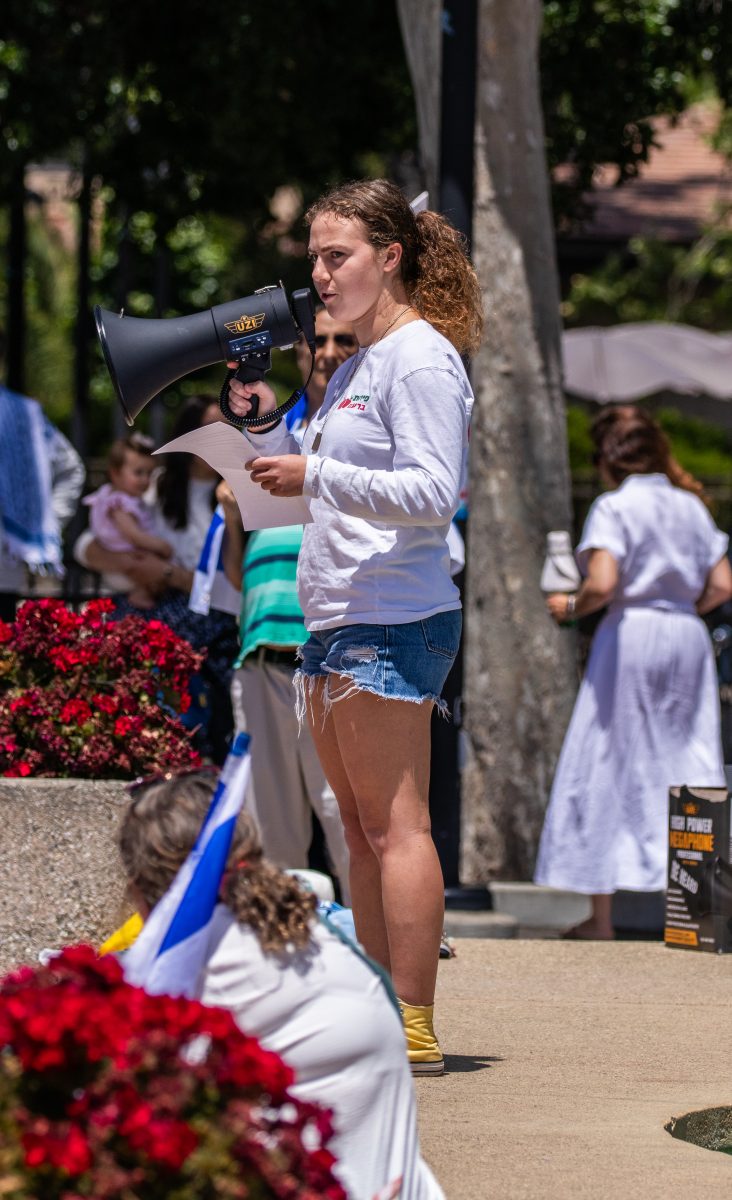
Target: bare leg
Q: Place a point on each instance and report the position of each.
(598, 927)
(383, 751)
(364, 870)
(602, 907)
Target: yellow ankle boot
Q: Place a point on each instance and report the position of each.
(423, 1052)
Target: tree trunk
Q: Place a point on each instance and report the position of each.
(420, 22)
(520, 669)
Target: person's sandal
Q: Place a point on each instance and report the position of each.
(447, 946)
(423, 1051)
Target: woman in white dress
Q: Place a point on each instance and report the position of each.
(647, 714)
(294, 984)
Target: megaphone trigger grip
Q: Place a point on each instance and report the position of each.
(251, 420)
(246, 373)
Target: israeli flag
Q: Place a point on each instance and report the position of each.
(170, 953)
(211, 588)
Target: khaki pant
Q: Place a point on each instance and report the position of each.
(288, 783)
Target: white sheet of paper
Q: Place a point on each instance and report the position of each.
(223, 448)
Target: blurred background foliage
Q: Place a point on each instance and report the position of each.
(203, 135)
(659, 281)
(703, 449)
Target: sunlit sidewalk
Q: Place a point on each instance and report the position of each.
(566, 1059)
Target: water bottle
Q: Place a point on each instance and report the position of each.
(560, 572)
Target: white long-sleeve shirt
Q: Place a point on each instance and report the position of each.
(383, 483)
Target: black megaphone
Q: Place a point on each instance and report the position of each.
(146, 356)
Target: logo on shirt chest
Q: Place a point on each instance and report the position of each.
(354, 403)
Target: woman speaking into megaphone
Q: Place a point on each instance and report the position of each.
(381, 465)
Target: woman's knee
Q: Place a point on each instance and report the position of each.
(395, 836)
(356, 840)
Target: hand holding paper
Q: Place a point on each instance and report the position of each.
(223, 448)
(283, 475)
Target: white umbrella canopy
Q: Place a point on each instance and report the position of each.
(624, 363)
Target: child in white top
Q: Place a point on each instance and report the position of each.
(119, 517)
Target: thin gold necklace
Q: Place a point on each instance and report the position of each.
(354, 372)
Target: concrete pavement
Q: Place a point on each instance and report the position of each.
(565, 1061)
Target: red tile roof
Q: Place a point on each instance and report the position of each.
(681, 188)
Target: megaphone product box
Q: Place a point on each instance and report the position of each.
(699, 891)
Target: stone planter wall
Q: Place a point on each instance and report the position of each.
(61, 879)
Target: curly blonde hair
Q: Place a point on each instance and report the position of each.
(439, 277)
(158, 832)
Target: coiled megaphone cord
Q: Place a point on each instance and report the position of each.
(270, 418)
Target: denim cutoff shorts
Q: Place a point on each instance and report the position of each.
(398, 662)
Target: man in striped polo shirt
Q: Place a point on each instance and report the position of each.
(288, 783)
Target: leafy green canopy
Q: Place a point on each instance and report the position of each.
(190, 117)
(183, 105)
(607, 66)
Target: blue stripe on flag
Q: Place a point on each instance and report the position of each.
(217, 521)
(201, 895)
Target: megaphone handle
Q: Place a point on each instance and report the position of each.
(245, 373)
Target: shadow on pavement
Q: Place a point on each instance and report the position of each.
(458, 1064)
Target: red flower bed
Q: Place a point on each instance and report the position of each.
(91, 698)
(110, 1093)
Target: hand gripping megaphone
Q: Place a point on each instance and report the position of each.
(145, 356)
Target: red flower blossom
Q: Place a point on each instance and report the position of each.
(18, 770)
(65, 658)
(124, 726)
(68, 1149)
(75, 712)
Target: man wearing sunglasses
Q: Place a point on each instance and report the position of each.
(288, 783)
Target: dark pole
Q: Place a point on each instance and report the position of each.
(119, 426)
(456, 175)
(457, 112)
(15, 349)
(80, 418)
(161, 289)
(80, 414)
